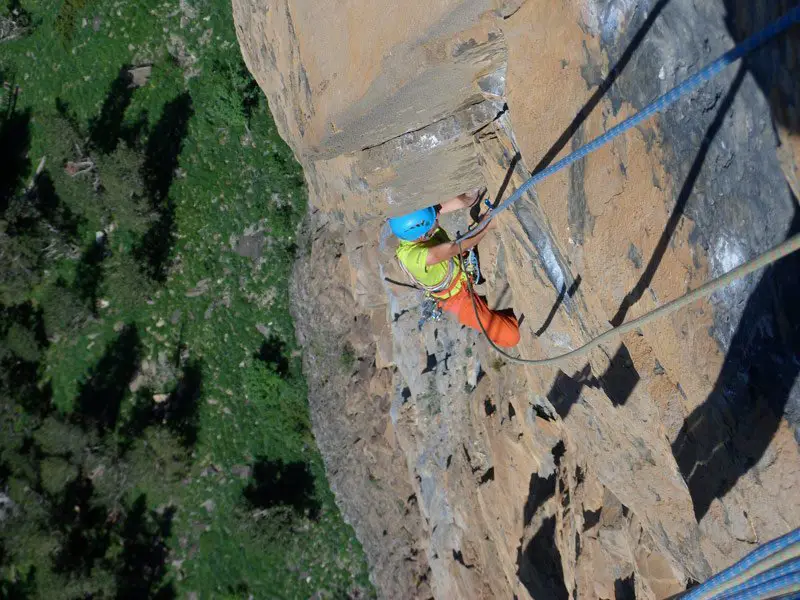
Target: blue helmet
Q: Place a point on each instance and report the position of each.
(414, 225)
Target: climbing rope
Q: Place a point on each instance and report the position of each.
(665, 101)
(767, 258)
(770, 571)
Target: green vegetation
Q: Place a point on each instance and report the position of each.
(155, 434)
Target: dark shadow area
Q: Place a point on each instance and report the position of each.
(540, 490)
(98, 403)
(63, 109)
(17, 586)
(559, 301)
(618, 382)
(430, 363)
(106, 129)
(507, 179)
(558, 451)
(142, 565)
(179, 412)
(591, 518)
(487, 476)
(250, 93)
(162, 152)
(15, 141)
(603, 88)
(405, 394)
(22, 343)
(277, 483)
(84, 527)
(625, 588)
(539, 565)
(727, 435)
(680, 204)
(775, 68)
(620, 378)
(489, 408)
(458, 556)
(89, 273)
(273, 354)
(164, 147)
(566, 389)
(51, 207)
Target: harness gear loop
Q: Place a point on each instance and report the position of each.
(429, 307)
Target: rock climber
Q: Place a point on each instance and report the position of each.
(428, 256)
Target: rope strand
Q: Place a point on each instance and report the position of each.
(695, 81)
(767, 258)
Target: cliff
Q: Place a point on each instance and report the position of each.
(664, 456)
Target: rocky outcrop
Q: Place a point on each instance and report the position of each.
(659, 459)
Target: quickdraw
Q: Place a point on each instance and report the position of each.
(429, 311)
(471, 266)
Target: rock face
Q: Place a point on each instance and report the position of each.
(662, 457)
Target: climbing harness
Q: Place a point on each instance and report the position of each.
(429, 307)
(712, 70)
(767, 258)
(770, 571)
(429, 290)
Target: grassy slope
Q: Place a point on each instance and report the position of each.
(231, 177)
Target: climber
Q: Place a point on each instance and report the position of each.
(430, 259)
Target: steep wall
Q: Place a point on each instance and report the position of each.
(662, 457)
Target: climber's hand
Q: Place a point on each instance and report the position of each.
(492, 223)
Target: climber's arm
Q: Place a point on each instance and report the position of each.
(459, 202)
(448, 250)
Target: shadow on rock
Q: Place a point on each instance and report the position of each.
(727, 435)
(617, 382)
(603, 87)
(539, 565)
(775, 67)
(684, 195)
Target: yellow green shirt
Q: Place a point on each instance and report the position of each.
(414, 256)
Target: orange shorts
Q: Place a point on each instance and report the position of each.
(503, 329)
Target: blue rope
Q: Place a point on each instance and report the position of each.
(769, 589)
(743, 565)
(688, 86)
(791, 567)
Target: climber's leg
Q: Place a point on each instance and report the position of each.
(503, 329)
